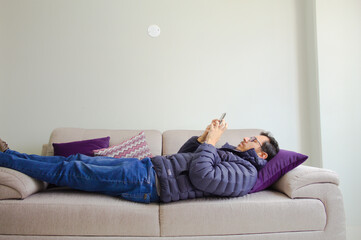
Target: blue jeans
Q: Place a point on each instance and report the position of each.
(129, 178)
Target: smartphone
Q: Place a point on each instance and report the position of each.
(221, 118)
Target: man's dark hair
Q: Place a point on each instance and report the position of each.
(271, 146)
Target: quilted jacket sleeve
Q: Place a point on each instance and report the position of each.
(230, 176)
(190, 146)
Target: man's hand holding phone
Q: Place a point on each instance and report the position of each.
(215, 130)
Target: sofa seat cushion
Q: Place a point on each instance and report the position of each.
(70, 212)
(262, 212)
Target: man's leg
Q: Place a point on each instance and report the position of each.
(98, 160)
(101, 160)
(34, 157)
(130, 178)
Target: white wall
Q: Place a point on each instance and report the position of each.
(91, 64)
(339, 53)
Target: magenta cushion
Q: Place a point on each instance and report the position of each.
(85, 147)
(279, 165)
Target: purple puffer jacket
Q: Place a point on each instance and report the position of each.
(200, 170)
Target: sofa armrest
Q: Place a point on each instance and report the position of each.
(16, 185)
(302, 176)
(319, 184)
(44, 149)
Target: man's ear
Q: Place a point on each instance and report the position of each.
(263, 155)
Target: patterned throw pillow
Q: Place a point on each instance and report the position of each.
(135, 147)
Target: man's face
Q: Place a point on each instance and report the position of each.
(252, 142)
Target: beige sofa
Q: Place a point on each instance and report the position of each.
(306, 203)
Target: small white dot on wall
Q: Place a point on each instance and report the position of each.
(153, 30)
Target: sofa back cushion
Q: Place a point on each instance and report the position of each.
(62, 135)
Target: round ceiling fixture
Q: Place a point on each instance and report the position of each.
(153, 31)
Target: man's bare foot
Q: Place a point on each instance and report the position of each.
(3, 145)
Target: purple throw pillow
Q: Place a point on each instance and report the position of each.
(279, 165)
(85, 147)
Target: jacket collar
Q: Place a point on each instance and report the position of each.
(249, 155)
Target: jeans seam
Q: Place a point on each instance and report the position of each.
(88, 178)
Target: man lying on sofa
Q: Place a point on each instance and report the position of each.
(197, 170)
